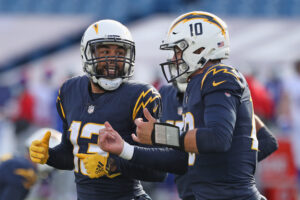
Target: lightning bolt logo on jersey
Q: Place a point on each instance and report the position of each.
(84, 115)
(237, 165)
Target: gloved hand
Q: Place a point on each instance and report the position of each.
(97, 165)
(39, 149)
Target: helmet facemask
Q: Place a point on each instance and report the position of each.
(175, 66)
(109, 71)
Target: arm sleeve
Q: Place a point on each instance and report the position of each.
(163, 159)
(219, 119)
(61, 156)
(140, 172)
(267, 143)
(15, 192)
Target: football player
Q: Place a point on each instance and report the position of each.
(172, 99)
(86, 102)
(18, 174)
(219, 123)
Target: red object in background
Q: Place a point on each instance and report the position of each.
(262, 101)
(26, 103)
(279, 174)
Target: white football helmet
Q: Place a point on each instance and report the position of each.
(55, 140)
(201, 36)
(107, 32)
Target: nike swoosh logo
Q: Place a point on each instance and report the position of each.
(174, 33)
(217, 83)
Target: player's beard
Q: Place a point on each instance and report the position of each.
(109, 71)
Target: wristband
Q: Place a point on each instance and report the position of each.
(127, 152)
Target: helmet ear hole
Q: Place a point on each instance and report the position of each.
(198, 51)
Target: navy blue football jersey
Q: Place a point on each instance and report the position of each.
(84, 115)
(172, 113)
(17, 176)
(228, 174)
(171, 105)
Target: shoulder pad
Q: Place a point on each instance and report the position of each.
(77, 80)
(223, 77)
(148, 97)
(163, 89)
(167, 90)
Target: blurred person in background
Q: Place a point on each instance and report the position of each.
(85, 102)
(45, 97)
(24, 117)
(8, 142)
(263, 104)
(219, 94)
(289, 109)
(5, 95)
(18, 174)
(274, 85)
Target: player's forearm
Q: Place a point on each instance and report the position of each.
(163, 159)
(267, 143)
(211, 140)
(60, 160)
(61, 157)
(139, 172)
(219, 118)
(190, 144)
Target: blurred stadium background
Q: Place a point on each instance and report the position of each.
(40, 39)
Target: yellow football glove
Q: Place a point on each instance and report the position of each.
(97, 165)
(38, 149)
(93, 164)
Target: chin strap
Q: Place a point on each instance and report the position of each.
(108, 84)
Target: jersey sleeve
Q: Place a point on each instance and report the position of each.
(223, 78)
(59, 105)
(61, 156)
(163, 159)
(219, 118)
(267, 143)
(137, 171)
(148, 98)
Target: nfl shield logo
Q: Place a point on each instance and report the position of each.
(91, 109)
